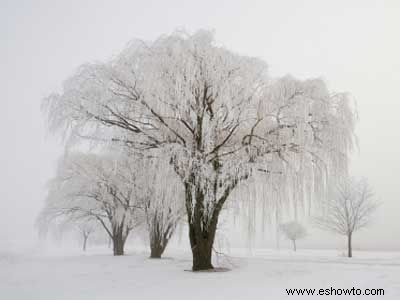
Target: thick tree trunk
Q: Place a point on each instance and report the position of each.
(201, 242)
(294, 245)
(349, 247)
(118, 241)
(156, 251)
(202, 229)
(203, 214)
(118, 246)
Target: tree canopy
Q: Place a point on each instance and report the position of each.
(215, 116)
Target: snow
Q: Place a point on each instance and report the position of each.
(263, 274)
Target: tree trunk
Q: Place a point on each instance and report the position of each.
(118, 241)
(203, 215)
(118, 244)
(156, 251)
(159, 235)
(201, 243)
(201, 230)
(294, 245)
(158, 243)
(85, 238)
(349, 247)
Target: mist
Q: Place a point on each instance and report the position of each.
(352, 45)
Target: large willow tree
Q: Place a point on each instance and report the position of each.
(215, 116)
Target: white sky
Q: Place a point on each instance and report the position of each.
(354, 45)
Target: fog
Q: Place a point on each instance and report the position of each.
(353, 45)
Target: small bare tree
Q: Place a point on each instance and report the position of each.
(293, 231)
(85, 229)
(349, 208)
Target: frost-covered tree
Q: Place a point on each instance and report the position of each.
(86, 228)
(293, 231)
(163, 202)
(215, 116)
(349, 208)
(93, 187)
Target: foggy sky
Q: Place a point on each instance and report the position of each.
(353, 45)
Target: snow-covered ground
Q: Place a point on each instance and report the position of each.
(264, 274)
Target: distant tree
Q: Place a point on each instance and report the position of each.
(217, 116)
(349, 208)
(86, 229)
(163, 202)
(94, 187)
(293, 231)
